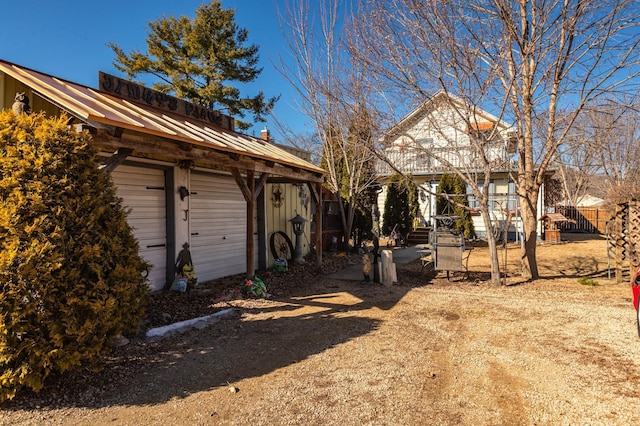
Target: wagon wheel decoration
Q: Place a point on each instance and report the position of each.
(281, 246)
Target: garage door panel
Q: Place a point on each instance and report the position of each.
(218, 226)
(221, 259)
(227, 251)
(145, 203)
(227, 248)
(143, 195)
(224, 227)
(211, 207)
(150, 241)
(147, 222)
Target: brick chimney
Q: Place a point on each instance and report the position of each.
(264, 135)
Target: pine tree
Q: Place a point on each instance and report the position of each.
(70, 274)
(195, 59)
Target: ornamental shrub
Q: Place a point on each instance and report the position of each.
(70, 274)
(455, 187)
(399, 206)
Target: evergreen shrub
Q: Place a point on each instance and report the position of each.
(70, 274)
(455, 187)
(399, 206)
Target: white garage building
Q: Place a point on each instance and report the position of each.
(184, 173)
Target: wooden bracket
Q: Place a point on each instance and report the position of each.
(115, 160)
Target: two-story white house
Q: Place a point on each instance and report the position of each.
(445, 134)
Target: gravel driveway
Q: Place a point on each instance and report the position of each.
(426, 351)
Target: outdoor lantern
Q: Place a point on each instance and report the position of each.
(184, 192)
(298, 229)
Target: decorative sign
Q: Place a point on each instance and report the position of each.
(142, 94)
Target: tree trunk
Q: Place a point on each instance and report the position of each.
(346, 219)
(529, 211)
(493, 249)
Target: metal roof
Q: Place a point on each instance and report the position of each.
(95, 106)
(556, 217)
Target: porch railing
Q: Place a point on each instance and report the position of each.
(434, 160)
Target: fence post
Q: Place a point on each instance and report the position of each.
(619, 239)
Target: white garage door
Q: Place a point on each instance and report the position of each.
(218, 214)
(143, 191)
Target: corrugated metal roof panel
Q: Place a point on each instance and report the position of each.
(92, 105)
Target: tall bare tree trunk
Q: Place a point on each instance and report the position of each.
(529, 212)
(493, 248)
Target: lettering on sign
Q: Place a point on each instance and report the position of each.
(142, 94)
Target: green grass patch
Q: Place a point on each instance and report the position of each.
(588, 281)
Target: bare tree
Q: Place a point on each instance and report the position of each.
(617, 136)
(528, 61)
(602, 152)
(334, 95)
(577, 163)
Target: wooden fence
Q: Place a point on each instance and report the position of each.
(587, 219)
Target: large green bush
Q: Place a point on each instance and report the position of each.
(70, 274)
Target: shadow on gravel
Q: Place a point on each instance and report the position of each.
(308, 321)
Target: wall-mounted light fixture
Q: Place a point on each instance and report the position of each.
(184, 192)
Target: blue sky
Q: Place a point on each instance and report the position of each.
(68, 39)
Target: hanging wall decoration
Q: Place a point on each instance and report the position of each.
(277, 196)
(303, 192)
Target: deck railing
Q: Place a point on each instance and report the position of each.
(434, 160)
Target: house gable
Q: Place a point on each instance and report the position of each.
(445, 133)
(444, 120)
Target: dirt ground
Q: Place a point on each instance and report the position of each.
(425, 351)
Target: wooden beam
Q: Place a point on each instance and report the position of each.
(315, 196)
(262, 180)
(244, 188)
(251, 205)
(115, 160)
(170, 151)
(248, 189)
(318, 221)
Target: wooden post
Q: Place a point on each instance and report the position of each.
(248, 190)
(388, 268)
(316, 193)
(619, 240)
(633, 236)
(251, 204)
